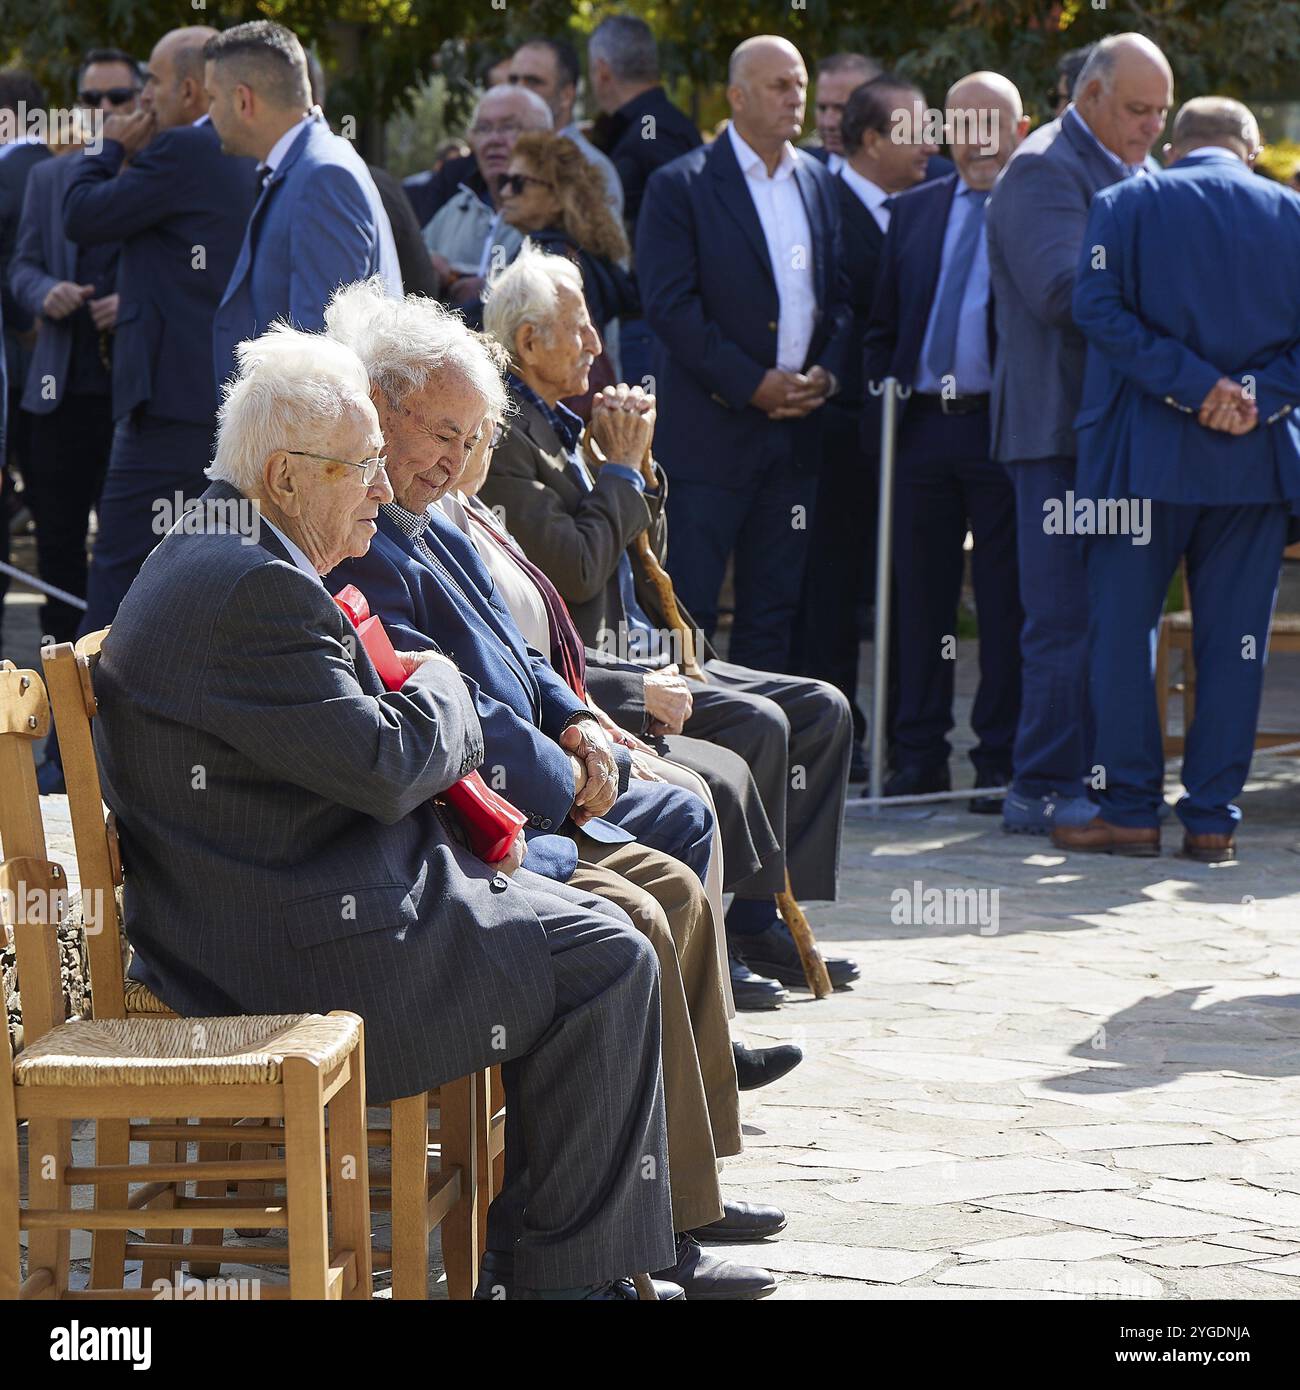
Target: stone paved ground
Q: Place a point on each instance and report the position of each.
(1088, 1089)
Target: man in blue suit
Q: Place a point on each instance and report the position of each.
(742, 281)
(161, 188)
(1036, 217)
(436, 389)
(1189, 445)
(930, 328)
(318, 221)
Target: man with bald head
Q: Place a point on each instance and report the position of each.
(930, 328)
(1036, 220)
(162, 188)
(742, 281)
(1189, 440)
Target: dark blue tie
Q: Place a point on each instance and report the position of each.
(947, 312)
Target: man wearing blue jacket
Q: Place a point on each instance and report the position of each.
(1189, 446)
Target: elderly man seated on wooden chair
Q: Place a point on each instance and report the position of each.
(276, 807)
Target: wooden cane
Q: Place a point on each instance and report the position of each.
(645, 1289)
(814, 968)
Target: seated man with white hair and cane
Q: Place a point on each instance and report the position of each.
(279, 809)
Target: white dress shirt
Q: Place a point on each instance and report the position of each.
(869, 194)
(281, 147)
(295, 550)
(784, 221)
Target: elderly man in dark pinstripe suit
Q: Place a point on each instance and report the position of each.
(276, 811)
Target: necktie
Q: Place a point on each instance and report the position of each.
(264, 172)
(947, 311)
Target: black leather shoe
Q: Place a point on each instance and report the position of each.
(752, 992)
(760, 1066)
(989, 805)
(773, 953)
(704, 1277)
(742, 1221)
(496, 1284)
(914, 780)
(615, 1291)
(859, 768)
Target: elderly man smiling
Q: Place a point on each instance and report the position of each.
(276, 810)
(436, 388)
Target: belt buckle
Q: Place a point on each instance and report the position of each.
(945, 402)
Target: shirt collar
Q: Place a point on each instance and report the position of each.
(296, 552)
(1092, 135)
(870, 194)
(277, 152)
(751, 162)
(412, 524)
(1210, 151)
(560, 418)
(202, 120)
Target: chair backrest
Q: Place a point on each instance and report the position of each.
(70, 672)
(33, 891)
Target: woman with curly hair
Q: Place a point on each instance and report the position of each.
(552, 194)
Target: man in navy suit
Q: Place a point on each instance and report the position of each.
(72, 292)
(436, 389)
(318, 222)
(1189, 445)
(930, 328)
(161, 188)
(743, 283)
(1036, 218)
(873, 165)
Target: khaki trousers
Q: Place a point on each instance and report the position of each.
(666, 902)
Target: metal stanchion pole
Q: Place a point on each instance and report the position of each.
(884, 575)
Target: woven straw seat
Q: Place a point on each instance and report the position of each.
(140, 999)
(237, 1051)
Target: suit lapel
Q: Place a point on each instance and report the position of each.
(812, 204)
(733, 192)
(929, 250)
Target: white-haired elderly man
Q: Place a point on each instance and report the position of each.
(577, 521)
(466, 234)
(437, 389)
(276, 807)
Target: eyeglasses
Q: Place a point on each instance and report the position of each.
(481, 131)
(498, 434)
(512, 185)
(369, 467)
(116, 96)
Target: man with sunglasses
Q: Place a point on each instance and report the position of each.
(162, 188)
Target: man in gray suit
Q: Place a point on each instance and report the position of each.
(1036, 218)
(277, 811)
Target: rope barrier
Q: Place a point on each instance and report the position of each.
(42, 587)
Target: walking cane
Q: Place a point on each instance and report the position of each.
(814, 968)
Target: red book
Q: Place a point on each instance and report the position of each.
(489, 819)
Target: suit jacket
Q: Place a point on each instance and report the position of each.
(641, 136)
(16, 162)
(273, 801)
(708, 292)
(413, 261)
(863, 243)
(1036, 218)
(318, 224)
(522, 704)
(178, 194)
(44, 255)
(1171, 296)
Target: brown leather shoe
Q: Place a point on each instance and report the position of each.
(1101, 837)
(1209, 848)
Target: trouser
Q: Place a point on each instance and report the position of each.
(764, 529)
(586, 1194)
(947, 482)
(1054, 737)
(152, 460)
(796, 734)
(1233, 558)
(841, 563)
(668, 904)
(64, 475)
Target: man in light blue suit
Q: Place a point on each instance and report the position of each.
(318, 222)
(1189, 445)
(1036, 217)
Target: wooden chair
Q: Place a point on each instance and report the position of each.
(294, 1068)
(451, 1198)
(1176, 635)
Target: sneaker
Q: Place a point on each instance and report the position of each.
(1040, 815)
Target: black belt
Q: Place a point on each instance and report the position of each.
(950, 405)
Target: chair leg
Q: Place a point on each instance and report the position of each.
(410, 1197)
(458, 1105)
(10, 1185)
(49, 1155)
(306, 1193)
(210, 1153)
(108, 1248)
(483, 1164)
(498, 1094)
(155, 1271)
(350, 1175)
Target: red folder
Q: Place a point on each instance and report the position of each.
(489, 819)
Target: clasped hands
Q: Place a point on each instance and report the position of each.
(623, 426)
(1228, 409)
(783, 395)
(595, 773)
